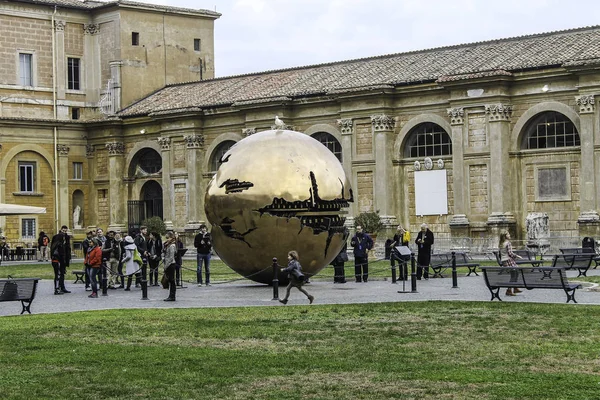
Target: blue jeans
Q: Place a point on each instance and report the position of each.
(93, 273)
(203, 258)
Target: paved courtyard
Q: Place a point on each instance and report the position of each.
(248, 294)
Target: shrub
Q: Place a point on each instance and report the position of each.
(370, 221)
(155, 224)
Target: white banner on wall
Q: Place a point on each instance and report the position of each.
(431, 192)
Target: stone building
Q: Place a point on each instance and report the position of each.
(470, 138)
(65, 64)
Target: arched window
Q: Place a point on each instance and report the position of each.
(149, 161)
(329, 141)
(548, 130)
(428, 140)
(222, 148)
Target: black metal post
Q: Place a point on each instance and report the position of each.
(275, 279)
(454, 276)
(144, 281)
(393, 266)
(104, 279)
(413, 274)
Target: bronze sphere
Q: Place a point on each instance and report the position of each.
(277, 191)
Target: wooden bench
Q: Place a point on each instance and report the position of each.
(440, 262)
(528, 258)
(581, 250)
(79, 275)
(528, 278)
(581, 262)
(21, 289)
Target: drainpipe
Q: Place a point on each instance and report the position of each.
(55, 128)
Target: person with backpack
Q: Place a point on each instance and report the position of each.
(43, 242)
(129, 259)
(296, 277)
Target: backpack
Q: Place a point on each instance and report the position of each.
(137, 257)
(45, 241)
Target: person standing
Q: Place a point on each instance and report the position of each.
(424, 242)
(296, 277)
(362, 243)
(43, 242)
(60, 250)
(507, 260)
(141, 242)
(131, 267)
(93, 262)
(86, 245)
(111, 250)
(339, 275)
(155, 248)
(178, 259)
(170, 249)
(203, 245)
(401, 238)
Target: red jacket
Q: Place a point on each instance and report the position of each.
(94, 257)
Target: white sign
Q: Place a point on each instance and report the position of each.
(431, 192)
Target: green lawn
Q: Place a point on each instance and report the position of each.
(415, 350)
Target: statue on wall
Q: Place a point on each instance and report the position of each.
(77, 217)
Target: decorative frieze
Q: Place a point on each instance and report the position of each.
(248, 131)
(285, 127)
(164, 142)
(498, 112)
(91, 29)
(382, 123)
(115, 148)
(456, 115)
(194, 141)
(59, 25)
(586, 103)
(345, 125)
(62, 149)
(89, 150)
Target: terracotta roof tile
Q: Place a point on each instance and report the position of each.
(462, 62)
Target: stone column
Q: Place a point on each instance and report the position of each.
(383, 136)
(500, 172)
(459, 224)
(61, 71)
(92, 215)
(167, 184)
(117, 196)
(195, 159)
(64, 213)
(346, 126)
(589, 220)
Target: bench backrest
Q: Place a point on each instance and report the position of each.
(525, 277)
(501, 276)
(25, 289)
(439, 258)
(526, 254)
(579, 261)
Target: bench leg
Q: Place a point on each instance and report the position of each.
(472, 271)
(495, 294)
(26, 306)
(582, 273)
(571, 296)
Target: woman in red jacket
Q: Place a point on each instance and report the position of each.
(93, 261)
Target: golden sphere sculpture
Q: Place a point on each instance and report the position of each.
(277, 191)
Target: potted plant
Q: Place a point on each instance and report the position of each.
(370, 222)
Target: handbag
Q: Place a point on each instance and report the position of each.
(164, 281)
(137, 257)
(10, 291)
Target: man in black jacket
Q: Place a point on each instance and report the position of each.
(203, 245)
(424, 242)
(362, 243)
(60, 251)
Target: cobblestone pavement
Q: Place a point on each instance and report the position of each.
(249, 294)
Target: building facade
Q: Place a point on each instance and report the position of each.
(471, 139)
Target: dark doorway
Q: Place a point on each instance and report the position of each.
(150, 205)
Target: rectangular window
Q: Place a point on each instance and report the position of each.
(28, 228)
(553, 184)
(135, 38)
(74, 112)
(78, 170)
(27, 177)
(25, 69)
(196, 44)
(73, 81)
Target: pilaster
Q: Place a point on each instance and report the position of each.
(587, 108)
(167, 183)
(459, 220)
(383, 131)
(195, 159)
(346, 126)
(91, 61)
(63, 185)
(116, 196)
(61, 71)
(500, 172)
(92, 215)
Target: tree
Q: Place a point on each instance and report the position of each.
(155, 224)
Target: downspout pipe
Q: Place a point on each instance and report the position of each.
(55, 115)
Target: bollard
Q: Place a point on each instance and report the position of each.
(275, 279)
(144, 282)
(393, 266)
(104, 280)
(454, 276)
(413, 274)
